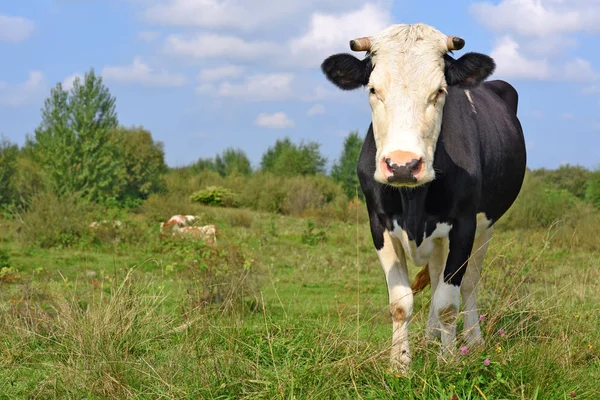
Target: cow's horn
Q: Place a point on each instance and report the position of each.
(455, 43)
(361, 44)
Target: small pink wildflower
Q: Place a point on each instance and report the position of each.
(482, 317)
(464, 350)
(486, 362)
(501, 332)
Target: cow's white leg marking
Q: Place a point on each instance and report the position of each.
(469, 286)
(436, 266)
(445, 303)
(393, 261)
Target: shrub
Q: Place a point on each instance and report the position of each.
(52, 221)
(592, 193)
(311, 235)
(241, 218)
(161, 207)
(538, 206)
(215, 196)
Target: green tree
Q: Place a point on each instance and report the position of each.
(72, 144)
(143, 160)
(287, 158)
(232, 160)
(592, 192)
(8, 169)
(344, 169)
(204, 164)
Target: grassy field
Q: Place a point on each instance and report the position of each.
(281, 309)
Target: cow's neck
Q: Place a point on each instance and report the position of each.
(414, 217)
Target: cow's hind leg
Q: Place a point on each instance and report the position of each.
(436, 266)
(469, 287)
(393, 261)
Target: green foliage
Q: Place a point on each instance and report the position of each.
(592, 192)
(142, 159)
(294, 195)
(538, 206)
(288, 159)
(204, 164)
(52, 221)
(29, 178)
(8, 169)
(215, 196)
(232, 161)
(313, 236)
(344, 169)
(72, 144)
(571, 178)
(4, 259)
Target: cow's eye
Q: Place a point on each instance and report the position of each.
(372, 90)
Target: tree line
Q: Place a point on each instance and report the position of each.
(80, 147)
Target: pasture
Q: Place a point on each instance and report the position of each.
(282, 307)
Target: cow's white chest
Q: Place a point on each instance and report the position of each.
(419, 255)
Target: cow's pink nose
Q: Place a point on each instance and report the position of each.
(401, 167)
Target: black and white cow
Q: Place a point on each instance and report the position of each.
(443, 160)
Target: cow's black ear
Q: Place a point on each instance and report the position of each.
(471, 69)
(346, 71)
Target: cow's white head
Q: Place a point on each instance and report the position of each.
(407, 72)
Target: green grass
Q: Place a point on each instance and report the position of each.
(128, 320)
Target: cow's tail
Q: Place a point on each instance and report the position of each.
(421, 280)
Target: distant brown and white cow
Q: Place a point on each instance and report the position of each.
(208, 233)
(180, 220)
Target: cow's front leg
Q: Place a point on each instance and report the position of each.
(393, 261)
(446, 299)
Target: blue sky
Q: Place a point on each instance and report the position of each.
(203, 75)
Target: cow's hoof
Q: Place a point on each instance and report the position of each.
(400, 362)
(474, 341)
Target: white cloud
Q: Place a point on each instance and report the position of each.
(148, 36)
(15, 29)
(278, 120)
(67, 84)
(591, 89)
(225, 71)
(317, 109)
(140, 73)
(329, 33)
(538, 18)
(237, 14)
(24, 93)
(205, 88)
(510, 63)
(266, 87)
(579, 70)
(222, 46)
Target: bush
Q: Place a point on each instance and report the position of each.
(592, 192)
(161, 207)
(538, 206)
(52, 221)
(241, 218)
(215, 196)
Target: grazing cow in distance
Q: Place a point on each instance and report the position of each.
(180, 220)
(208, 233)
(444, 158)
